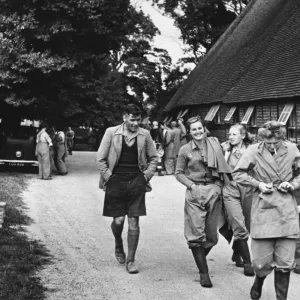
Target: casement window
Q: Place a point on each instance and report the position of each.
(286, 113)
(212, 113)
(230, 114)
(248, 115)
(182, 113)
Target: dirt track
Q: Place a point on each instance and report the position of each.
(68, 218)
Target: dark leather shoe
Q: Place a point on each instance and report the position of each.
(131, 267)
(120, 255)
(205, 280)
(256, 289)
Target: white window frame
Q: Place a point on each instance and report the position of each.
(286, 113)
(230, 113)
(212, 113)
(248, 115)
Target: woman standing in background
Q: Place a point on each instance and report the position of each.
(43, 143)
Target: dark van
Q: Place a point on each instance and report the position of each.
(17, 146)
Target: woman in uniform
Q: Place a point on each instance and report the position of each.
(201, 167)
(272, 167)
(43, 143)
(237, 199)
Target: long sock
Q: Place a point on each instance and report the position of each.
(132, 240)
(117, 230)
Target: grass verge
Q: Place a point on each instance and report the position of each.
(20, 257)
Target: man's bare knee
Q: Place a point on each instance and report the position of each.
(119, 220)
(133, 223)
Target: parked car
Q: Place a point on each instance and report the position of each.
(17, 147)
(81, 139)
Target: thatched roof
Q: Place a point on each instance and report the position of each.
(258, 57)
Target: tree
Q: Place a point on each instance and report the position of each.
(201, 22)
(75, 60)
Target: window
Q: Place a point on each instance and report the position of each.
(247, 115)
(230, 114)
(212, 113)
(286, 113)
(179, 114)
(184, 113)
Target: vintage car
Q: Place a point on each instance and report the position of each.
(17, 147)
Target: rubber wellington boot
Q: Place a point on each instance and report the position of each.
(200, 259)
(281, 281)
(236, 256)
(256, 289)
(207, 250)
(243, 249)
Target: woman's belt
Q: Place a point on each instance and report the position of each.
(206, 182)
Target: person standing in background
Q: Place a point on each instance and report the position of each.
(51, 133)
(61, 152)
(177, 138)
(169, 152)
(183, 138)
(70, 139)
(43, 144)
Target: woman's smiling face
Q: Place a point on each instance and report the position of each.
(197, 131)
(235, 136)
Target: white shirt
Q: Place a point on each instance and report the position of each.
(43, 137)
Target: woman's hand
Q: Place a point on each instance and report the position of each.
(193, 187)
(285, 187)
(266, 188)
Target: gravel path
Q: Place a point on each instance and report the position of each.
(67, 214)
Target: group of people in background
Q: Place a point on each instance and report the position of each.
(238, 188)
(168, 139)
(52, 148)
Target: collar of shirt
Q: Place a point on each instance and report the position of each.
(239, 150)
(194, 146)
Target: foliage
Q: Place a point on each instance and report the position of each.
(201, 22)
(20, 258)
(75, 60)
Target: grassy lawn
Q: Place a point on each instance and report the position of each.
(20, 258)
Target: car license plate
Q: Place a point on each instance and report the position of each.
(15, 164)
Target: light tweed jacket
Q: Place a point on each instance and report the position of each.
(110, 149)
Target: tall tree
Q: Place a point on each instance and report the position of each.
(75, 59)
(201, 22)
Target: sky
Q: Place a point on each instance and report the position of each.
(169, 37)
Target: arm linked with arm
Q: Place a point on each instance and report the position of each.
(241, 172)
(296, 171)
(102, 155)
